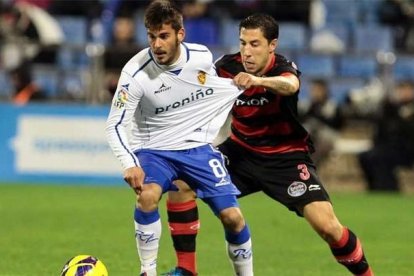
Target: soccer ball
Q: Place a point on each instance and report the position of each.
(84, 265)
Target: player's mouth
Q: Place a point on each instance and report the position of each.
(159, 55)
(249, 65)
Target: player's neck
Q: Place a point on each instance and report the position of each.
(268, 66)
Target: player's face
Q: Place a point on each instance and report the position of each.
(165, 43)
(256, 51)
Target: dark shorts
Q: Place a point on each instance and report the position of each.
(288, 178)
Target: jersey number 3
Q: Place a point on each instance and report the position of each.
(304, 173)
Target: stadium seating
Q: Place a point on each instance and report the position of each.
(229, 33)
(340, 30)
(69, 58)
(203, 31)
(304, 88)
(341, 11)
(73, 84)
(368, 10)
(292, 36)
(47, 79)
(319, 66)
(340, 87)
(74, 29)
(354, 22)
(140, 30)
(404, 68)
(5, 85)
(373, 38)
(357, 66)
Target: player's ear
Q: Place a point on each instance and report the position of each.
(273, 45)
(181, 35)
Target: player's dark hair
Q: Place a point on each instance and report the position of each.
(161, 12)
(266, 23)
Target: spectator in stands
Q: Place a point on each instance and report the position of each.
(28, 34)
(121, 48)
(323, 118)
(400, 15)
(195, 8)
(393, 140)
(89, 8)
(25, 89)
(292, 10)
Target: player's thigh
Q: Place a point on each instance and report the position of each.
(204, 170)
(294, 186)
(243, 170)
(157, 170)
(184, 193)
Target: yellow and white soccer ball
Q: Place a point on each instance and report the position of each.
(84, 265)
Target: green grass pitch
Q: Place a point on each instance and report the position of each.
(42, 226)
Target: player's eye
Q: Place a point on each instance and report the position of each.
(164, 36)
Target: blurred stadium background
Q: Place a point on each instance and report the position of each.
(67, 52)
(72, 54)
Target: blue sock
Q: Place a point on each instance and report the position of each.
(238, 238)
(146, 218)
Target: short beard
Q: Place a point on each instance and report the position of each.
(170, 60)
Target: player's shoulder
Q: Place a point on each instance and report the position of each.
(281, 60)
(282, 65)
(228, 59)
(138, 62)
(230, 63)
(198, 53)
(199, 57)
(195, 47)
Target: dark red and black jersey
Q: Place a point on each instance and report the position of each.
(263, 121)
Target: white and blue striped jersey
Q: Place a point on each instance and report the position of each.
(168, 107)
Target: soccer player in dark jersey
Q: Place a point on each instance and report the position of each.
(268, 149)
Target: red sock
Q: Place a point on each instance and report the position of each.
(184, 224)
(348, 252)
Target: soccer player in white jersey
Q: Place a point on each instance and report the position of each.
(168, 108)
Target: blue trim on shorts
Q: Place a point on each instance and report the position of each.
(219, 203)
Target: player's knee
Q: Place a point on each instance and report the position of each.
(148, 199)
(232, 219)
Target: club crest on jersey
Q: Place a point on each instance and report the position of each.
(201, 77)
(296, 189)
(121, 98)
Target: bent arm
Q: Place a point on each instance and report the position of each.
(285, 85)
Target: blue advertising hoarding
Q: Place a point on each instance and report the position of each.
(60, 143)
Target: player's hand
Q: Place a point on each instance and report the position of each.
(245, 80)
(134, 176)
